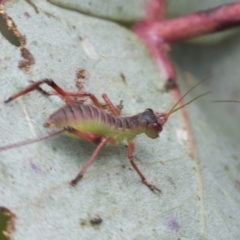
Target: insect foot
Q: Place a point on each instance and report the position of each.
(151, 186)
(76, 180)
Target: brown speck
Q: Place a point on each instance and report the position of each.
(50, 15)
(96, 221)
(12, 28)
(26, 14)
(81, 76)
(123, 78)
(83, 222)
(10, 223)
(28, 60)
(26, 63)
(32, 5)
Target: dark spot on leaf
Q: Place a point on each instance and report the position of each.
(32, 5)
(226, 167)
(34, 167)
(7, 222)
(170, 84)
(123, 78)
(28, 60)
(17, 39)
(81, 76)
(26, 14)
(96, 220)
(83, 222)
(5, 29)
(173, 224)
(50, 15)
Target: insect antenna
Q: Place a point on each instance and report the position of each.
(236, 101)
(33, 140)
(174, 109)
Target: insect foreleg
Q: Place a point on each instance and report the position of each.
(131, 159)
(103, 142)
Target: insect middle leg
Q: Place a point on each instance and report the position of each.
(131, 159)
(114, 110)
(103, 142)
(93, 138)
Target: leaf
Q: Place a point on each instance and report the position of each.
(122, 11)
(201, 195)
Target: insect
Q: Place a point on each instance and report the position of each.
(95, 125)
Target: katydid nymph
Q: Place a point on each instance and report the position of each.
(95, 125)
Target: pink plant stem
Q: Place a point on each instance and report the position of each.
(197, 24)
(158, 33)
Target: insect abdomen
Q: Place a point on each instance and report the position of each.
(88, 118)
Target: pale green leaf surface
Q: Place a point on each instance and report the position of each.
(200, 196)
(123, 11)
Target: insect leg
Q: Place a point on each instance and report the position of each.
(86, 94)
(90, 160)
(130, 157)
(90, 137)
(35, 85)
(116, 111)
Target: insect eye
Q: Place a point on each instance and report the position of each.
(149, 110)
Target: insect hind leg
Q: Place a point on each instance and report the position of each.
(35, 85)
